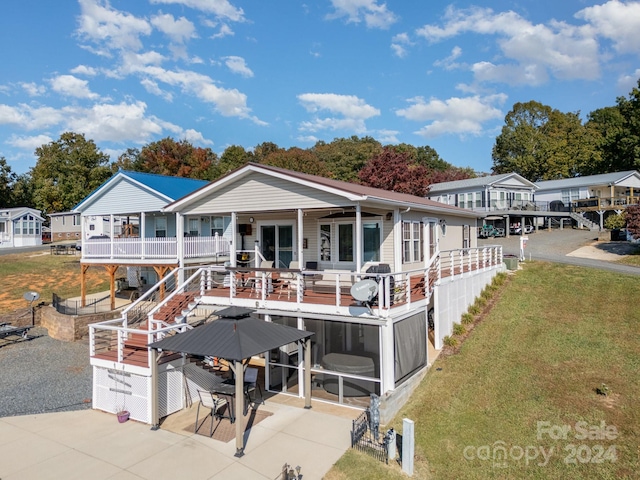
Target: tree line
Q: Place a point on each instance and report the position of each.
(537, 142)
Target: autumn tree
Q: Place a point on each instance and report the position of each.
(395, 171)
(345, 157)
(66, 171)
(178, 159)
(233, 157)
(632, 217)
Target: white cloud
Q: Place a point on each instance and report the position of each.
(627, 82)
(307, 138)
(33, 89)
(30, 118)
(153, 88)
(84, 70)
(225, 31)
(399, 43)
(29, 143)
(387, 136)
(178, 31)
(449, 63)
(374, 14)
(238, 65)
(461, 116)
(71, 86)
(220, 8)
(538, 51)
(195, 137)
(110, 28)
(354, 112)
(617, 21)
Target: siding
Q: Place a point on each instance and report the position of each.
(124, 197)
(260, 192)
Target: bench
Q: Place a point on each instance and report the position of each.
(327, 282)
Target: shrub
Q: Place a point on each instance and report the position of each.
(475, 309)
(459, 329)
(499, 279)
(467, 318)
(481, 302)
(450, 341)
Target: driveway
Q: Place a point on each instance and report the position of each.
(575, 247)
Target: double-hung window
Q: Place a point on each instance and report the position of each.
(411, 242)
(161, 226)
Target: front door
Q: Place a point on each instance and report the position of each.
(277, 244)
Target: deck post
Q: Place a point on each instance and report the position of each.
(307, 373)
(239, 374)
(153, 360)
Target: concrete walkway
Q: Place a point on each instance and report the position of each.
(89, 444)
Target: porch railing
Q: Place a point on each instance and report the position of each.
(154, 248)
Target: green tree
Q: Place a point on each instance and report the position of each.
(298, 160)
(622, 148)
(233, 157)
(605, 125)
(345, 157)
(129, 160)
(541, 143)
(22, 191)
(66, 171)
(178, 159)
(7, 179)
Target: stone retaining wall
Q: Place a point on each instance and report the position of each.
(70, 328)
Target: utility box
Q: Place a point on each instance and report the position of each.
(511, 261)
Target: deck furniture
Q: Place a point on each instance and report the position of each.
(214, 403)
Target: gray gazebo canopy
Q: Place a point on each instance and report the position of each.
(235, 336)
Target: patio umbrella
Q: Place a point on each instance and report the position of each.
(235, 336)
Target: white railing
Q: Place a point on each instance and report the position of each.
(154, 248)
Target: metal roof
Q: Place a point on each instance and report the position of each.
(476, 182)
(587, 181)
(233, 339)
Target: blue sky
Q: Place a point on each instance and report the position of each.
(232, 72)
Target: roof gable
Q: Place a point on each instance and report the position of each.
(589, 180)
(510, 180)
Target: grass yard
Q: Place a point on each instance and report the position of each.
(633, 259)
(45, 274)
(526, 379)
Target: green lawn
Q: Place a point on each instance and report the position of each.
(531, 367)
(633, 259)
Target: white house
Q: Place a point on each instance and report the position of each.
(379, 278)
(20, 227)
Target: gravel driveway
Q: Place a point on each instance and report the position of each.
(43, 375)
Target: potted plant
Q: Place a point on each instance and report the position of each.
(122, 414)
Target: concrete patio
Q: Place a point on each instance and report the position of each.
(91, 444)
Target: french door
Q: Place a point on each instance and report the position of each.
(277, 244)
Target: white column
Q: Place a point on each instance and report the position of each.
(358, 238)
(397, 242)
(111, 233)
(234, 238)
(387, 358)
(143, 227)
(300, 237)
(180, 245)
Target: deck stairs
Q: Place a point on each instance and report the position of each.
(584, 222)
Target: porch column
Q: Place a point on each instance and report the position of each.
(507, 222)
(358, 237)
(111, 270)
(300, 238)
(155, 418)
(143, 226)
(180, 246)
(601, 213)
(397, 242)
(111, 234)
(387, 361)
(234, 233)
(307, 373)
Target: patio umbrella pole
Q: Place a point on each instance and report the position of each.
(239, 371)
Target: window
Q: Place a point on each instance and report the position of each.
(345, 242)
(371, 242)
(478, 199)
(31, 227)
(325, 242)
(92, 227)
(3, 227)
(411, 242)
(194, 227)
(161, 226)
(218, 225)
(76, 220)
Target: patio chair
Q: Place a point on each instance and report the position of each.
(209, 400)
(289, 280)
(256, 281)
(251, 383)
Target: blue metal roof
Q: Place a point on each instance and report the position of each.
(172, 187)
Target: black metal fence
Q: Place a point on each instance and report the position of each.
(74, 307)
(365, 440)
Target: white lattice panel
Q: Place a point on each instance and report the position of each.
(115, 389)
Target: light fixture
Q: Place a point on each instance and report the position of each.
(443, 225)
(389, 215)
(250, 219)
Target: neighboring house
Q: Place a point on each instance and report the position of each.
(508, 191)
(379, 277)
(593, 196)
(20, 227)
(122, 225)
(65, 226)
